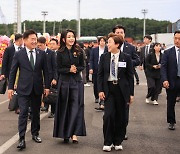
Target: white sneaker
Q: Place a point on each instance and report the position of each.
(107, 148)
(87, 85)
(155, 102)
(147, 100)
(118, 147)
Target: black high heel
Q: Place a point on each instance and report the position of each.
(75, 141)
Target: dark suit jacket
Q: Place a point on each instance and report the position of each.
(64, 63)
(142, 56)
(131, 50)
(169, 67)
(29, 78)
(125, 75)
(94, 58)
(7, 60)
(51, 64)
(150, 61)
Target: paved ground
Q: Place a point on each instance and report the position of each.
(147, 130)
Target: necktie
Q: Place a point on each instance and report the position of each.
(31, 59)
(113, 66)
(178, 74)
(19, 48)
(146, 51)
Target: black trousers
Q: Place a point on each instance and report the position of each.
(114, 119)
(94, 78)
(35, 103)
(136, 75)
(154, 87)
(171, 101)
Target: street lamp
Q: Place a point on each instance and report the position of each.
(44, 13)
(144, 11)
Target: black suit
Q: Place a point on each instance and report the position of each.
(143, 56)
(94, 62)
(169, 71)
(52, 71)
(116, 97)
(7, 60)
(131, 51)
(29, 87)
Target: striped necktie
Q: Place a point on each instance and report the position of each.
(113, 72)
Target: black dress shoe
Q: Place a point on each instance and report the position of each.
(171, 126)
(66, 140)
(37, 139)
(22, 144)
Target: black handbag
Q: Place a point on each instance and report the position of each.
(3, 85)
(52, 97)
(13, 103)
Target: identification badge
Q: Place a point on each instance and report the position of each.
(122, 64)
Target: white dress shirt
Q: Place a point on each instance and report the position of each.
(111, 77)
(101, 51)
(177, 52)
(33, 53)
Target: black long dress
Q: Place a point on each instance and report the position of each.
(69, 116)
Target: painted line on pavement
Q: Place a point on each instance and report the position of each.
(15, 138)
(4, 102)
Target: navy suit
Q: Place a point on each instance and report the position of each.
(7, 60)
(29, 87)
(131, 50)
(116, 97)
(94, 60)
(169, 73)
(52, 71)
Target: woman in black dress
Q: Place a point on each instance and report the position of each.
(69, 117)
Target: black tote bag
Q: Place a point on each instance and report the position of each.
(3, 85)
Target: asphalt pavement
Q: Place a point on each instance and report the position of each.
(147, 130)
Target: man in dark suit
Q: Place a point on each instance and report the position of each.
(170, 75)
(93, 69)
(33, 70)
(143, 54)
(116, 88)
(51, 64)
(131, 51)
(8, 55)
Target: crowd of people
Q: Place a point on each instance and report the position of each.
(32, 66)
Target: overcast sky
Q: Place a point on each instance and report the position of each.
(108, 9)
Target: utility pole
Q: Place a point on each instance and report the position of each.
(144, 11)
(19, 28)
(44, 13)
(54, 28)
(78, 21)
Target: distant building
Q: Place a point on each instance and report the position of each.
(173, 27)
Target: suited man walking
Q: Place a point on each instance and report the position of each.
(93, 69)
(116, 88)
(147, 49)
(8, 55)
(131, 51)
(33, 70)
(52, 70)
(170, 74)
